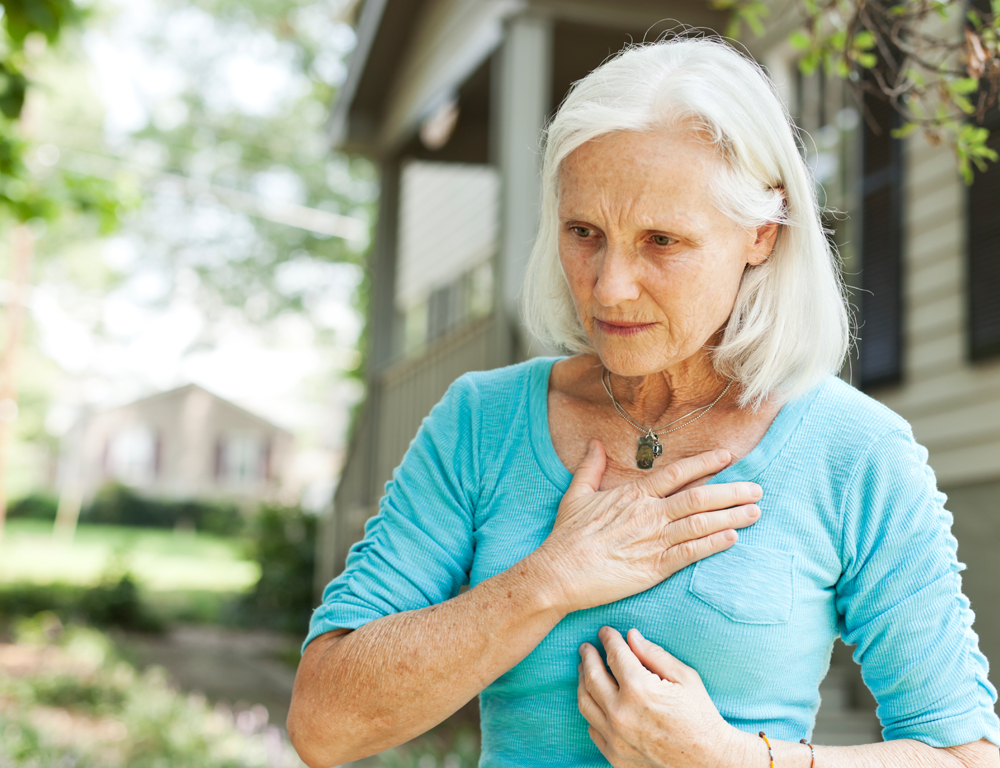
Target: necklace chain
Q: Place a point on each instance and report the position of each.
(649, 431)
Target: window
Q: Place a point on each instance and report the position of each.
(881, 302)
(133, 455)
(983, 228)
(241, 459)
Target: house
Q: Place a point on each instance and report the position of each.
(449, 97)
(185, 443)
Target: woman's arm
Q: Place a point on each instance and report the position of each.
(397, 676)
(394, 678)
(655, 711)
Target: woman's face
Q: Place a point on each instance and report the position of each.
(653, 266)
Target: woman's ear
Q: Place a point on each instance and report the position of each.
(767, 235)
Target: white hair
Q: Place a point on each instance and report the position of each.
(789, 325)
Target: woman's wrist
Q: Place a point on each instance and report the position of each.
(742, 750)
(533, 583)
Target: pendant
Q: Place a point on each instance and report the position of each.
(649, 449)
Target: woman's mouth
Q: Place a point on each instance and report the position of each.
(621, 328)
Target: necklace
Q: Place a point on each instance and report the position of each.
(649, 439)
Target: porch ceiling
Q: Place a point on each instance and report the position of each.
(411, 52)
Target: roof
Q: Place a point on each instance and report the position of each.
(178, 392)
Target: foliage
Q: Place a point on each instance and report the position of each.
(283, 542)
(25, 193)
(936, 61)
(116, 715)
(453, 744)
(227, 165)
(117, 504)
(38, 506)
(115, 602)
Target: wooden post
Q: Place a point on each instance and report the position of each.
(22, 250)
(522, 99)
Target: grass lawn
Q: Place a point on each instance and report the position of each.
(160, 560)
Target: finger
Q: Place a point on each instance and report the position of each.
(710, 498)
(656, 659)
(599, 740)
(588, 476)
(703, 524)
(682, 555)
(596, 678)
(588, 705)
(625, 666)
(672, 477)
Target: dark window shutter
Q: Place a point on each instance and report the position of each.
(220, 448)
(880, 337)
(157, 455)
(265, 459)
(984, 255)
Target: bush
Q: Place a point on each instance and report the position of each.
(36, 506)
(282, 540)
(116, 504)
(145, 723)
(113, 603)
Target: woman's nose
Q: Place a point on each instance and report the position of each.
(616, 281)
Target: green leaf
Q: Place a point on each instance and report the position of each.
(13, 88)
(904, 130)
(964, 85)
(809, 63)
(800, 41)
(963, 104)
(965, 169)
(864, 40)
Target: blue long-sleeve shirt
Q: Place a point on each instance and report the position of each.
(853, 540)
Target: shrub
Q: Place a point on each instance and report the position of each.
(117, 504)
(113, 603)
(36, 506)
(283, 542)
(145, 723)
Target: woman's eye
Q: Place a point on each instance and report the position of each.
(580, 231)
(662, 240)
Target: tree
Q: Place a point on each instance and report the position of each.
(936, 61)
(27, 26)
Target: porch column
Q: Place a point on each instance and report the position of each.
(522, 99)
(383, 323)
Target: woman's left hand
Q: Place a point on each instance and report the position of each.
(655, 711)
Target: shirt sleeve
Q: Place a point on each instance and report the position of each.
(900, 602)
(417, 551)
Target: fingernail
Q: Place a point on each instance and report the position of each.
(729, 536)
(722, 455)
(753, 511)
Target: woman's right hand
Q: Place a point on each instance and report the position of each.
(608, 545)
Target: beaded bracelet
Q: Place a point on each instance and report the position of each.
(770, 754)
(812, 753)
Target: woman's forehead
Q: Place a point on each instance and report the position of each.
(643, 172)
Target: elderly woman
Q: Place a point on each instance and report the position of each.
(592, 502)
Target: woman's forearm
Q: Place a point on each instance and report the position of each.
(904, 753)
(394, 678)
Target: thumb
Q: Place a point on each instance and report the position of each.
(655, 659)
(587, 478)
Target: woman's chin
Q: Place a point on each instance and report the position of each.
(629, 363)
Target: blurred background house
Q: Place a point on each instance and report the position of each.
(186, 443)
(449, 97)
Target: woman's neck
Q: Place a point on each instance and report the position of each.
(656, 398)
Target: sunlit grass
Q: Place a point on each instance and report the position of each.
(160, 560)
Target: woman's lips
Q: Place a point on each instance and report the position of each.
(621, 328)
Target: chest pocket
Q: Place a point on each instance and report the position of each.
(750, 585)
